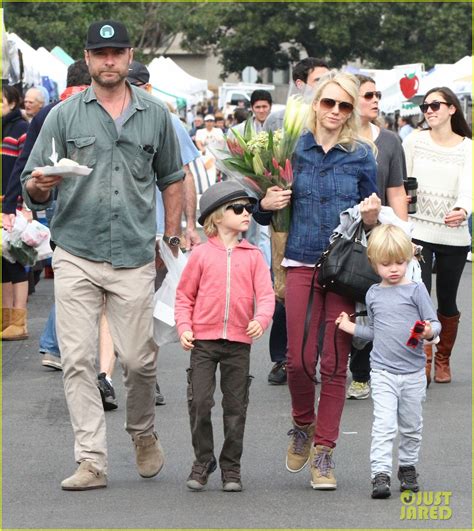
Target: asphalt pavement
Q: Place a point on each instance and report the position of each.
(38, 453)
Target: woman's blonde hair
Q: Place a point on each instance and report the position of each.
(350, 132)
(388, 243)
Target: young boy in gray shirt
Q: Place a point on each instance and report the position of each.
(398, 366)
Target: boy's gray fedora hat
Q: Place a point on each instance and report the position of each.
(218, 194)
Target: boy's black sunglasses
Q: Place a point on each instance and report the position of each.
(434, 105)
(238, 208)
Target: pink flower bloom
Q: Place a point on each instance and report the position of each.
(234, 147)
(288, 171)
(253, 185)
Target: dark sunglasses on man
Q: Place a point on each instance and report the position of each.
(434, 106)
(239, 208)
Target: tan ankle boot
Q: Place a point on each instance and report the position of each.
(86, 477)
(149, 455)
(297, 455)
(17, 329)
(322, 468)
(449, 331)
(429, 360)
(6, 316)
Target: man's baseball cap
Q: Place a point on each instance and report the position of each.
(138, 74)
(107, 34)
(219, 194)
(209, 118)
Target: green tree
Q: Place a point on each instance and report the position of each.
(65, 24)
(383, 34)
(263, 34)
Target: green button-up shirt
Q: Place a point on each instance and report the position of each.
(109, 215)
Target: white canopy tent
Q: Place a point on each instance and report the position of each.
(52, 67)
(457, 76)
(31, 64)
(39, 63)
(171, 80)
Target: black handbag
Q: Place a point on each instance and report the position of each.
(345, 269)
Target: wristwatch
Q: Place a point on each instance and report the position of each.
(172, 241)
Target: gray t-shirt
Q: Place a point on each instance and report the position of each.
(391, 167)
(392, 312)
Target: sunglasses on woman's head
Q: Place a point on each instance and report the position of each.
(238, 208)
(434, 106)
(344, 106)
(371, 94)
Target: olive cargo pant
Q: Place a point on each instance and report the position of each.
(233, 358)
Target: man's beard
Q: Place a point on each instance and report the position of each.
(108, 83)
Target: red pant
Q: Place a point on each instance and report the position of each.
(326, 308)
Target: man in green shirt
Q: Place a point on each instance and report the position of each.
(104, 229)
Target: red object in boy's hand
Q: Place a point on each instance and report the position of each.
(415, 333)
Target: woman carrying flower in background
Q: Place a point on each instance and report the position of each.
(333, 170)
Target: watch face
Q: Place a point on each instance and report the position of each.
(174, 241)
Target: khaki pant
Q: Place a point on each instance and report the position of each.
(233, 359)
(80, 288)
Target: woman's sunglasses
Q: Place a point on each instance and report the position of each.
(344, 106)
(434, 106)
(371, 94)
(238, 208)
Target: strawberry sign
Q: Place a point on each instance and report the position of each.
(409, 85)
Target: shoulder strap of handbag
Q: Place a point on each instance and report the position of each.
(309, 309)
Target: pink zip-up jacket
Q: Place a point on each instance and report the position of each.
(221, 290)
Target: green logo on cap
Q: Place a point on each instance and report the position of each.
(107, 32)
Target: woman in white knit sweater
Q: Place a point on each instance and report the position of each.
(440, 157)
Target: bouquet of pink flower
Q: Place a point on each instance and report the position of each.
(262, 160)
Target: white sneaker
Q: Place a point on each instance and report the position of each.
(358, 391)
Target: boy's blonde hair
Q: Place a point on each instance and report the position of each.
(388, 243)
(210, 225)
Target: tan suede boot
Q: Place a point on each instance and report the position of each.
(322, 468)
(149, 455)
(429, 360)
(86, 477)
(6, 316)
(17, 329)
(297, 455)
(449, 331)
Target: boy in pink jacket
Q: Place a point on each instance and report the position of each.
(224, 300)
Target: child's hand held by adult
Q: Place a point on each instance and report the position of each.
(187, 340)
(428, 331)
(254, 329)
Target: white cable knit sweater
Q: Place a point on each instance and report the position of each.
(444, 177)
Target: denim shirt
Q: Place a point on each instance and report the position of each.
(324, 185)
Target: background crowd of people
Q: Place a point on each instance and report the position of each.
(105, 259)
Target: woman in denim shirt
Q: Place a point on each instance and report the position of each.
(333, 170)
